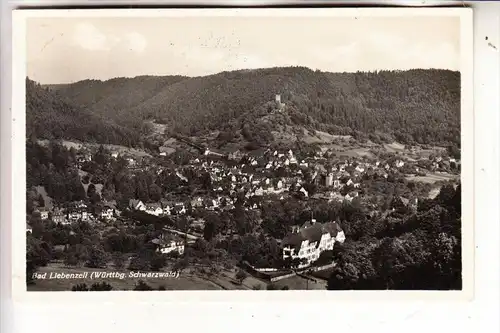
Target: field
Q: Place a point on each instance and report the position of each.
(115, 148)
(183, 282)
(432, 178)
(47, 200)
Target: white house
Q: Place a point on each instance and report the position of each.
(44, 214)
(258, 191)
(310, 240)
(360, 169)
(78, 214)
(107, 213)
(329, 179)
(154, 209)
(168, 244)
(136, 205)
(304, 192)
(172, 246)
(179, 209)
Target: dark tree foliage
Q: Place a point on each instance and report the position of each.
(49, 116)
(102, 286)
(419, 251)
(80, 287)
(143, 286)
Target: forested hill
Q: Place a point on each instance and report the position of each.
(48, 116)
(110, 97)
(409, 106)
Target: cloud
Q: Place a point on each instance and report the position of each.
(88, 37)
(136, 42)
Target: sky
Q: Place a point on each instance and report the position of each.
(64, 50)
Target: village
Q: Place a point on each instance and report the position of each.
(248, 181)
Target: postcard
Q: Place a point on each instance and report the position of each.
(326, 151)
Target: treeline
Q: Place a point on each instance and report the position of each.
(415, 106)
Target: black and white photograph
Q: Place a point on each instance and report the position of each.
(259, 150)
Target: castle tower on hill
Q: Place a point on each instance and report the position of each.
(278, 98)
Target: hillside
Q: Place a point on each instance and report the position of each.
(113, 97)
(50, 117)
(420, 106)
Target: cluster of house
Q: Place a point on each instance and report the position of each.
(79, 210)
(272, 173)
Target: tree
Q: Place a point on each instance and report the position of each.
(119, 260)
(158, 261)
(181, 264)
(155, 192)
(143, 286)
(272, 286)
(103, 286)
(80, 287)
(98, 258)
(240, 276)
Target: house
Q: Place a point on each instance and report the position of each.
(107, 213)
(167, 207)
(310, 240)
(197, 202)
(57, 216)
(178, 209)
(44, 214)
(259, 191)
(235, 155)
(154, 208)
(360, 169)
(400, 203)
(131, 162)
(28, 228)
(168, 244)
(114, 155)
(76, 214)
(135, 204)
(329, 179)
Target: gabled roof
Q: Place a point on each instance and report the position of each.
(312, 233)
(134, 202)
(153, 205)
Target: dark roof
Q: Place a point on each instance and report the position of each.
(153, 205)
(312, 233)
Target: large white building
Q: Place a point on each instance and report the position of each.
(169, 243)
(312, 238)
